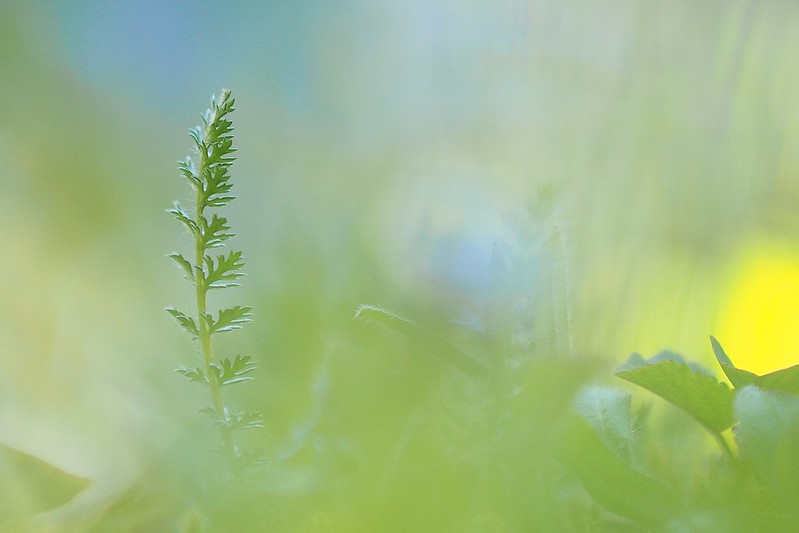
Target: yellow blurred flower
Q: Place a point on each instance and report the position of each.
(759, 323)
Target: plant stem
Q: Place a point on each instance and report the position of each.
(214, 387)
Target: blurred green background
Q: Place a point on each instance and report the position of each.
(634, 163)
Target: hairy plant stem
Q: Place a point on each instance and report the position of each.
(214, 387)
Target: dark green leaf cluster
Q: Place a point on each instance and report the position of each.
(214, 143)
(696, 391)
(209, 177)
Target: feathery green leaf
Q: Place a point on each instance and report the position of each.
(229, 319)
(235, 421)
(196, 375)
(189, 171)
(186, 322)
(245, 420)
(186, 220)
(183, 263)
(229, 372)
(223, 272)
(215, 148)
(215, 232)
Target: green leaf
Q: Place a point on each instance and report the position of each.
(245, 420)
(189, 171)
(217, 187)
(229, 319)
(738, 378)
(196, 134)
(766, 418)
(768, 438)
(184, 218)
(223, 272)
(238, 421)
(218, 152)
(186, 322)
(687, 386)
(196, 375)
(784, 380)
(229, 372)
(609, 412)
(184, 264)
(216, 232)
(214, 117)
(216, 149)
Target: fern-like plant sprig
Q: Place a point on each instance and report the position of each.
(209, 178)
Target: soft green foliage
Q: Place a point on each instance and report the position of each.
(444, 351)
(768, 434)
(209, 179)
(622, 458)
(385, 136)
(593, 454)
(610, 414)
(752, 486)
(495, 430)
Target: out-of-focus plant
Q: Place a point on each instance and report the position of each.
(209, 178)
(749, 486)
(617, 467)
(29, 485)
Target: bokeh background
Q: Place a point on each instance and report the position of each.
(637, 162)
